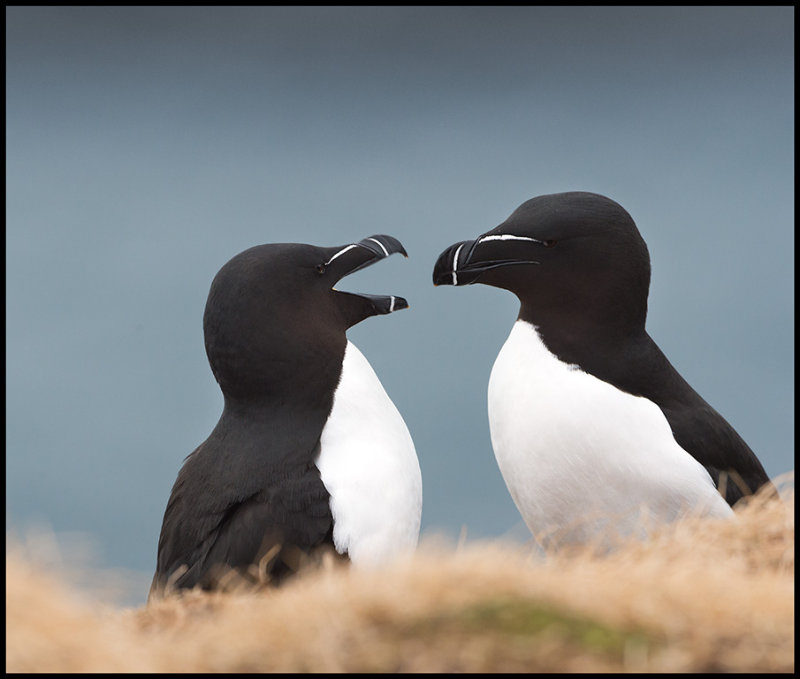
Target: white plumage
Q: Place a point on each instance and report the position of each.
(368, 463)
(584, 461)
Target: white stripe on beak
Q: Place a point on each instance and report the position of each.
(341, 252)
(385, 251)
(507, 236)
(455, 264)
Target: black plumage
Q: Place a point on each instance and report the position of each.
(250, 499)
(581, 271)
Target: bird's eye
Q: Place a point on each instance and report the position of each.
(549, 243)
(320, 268)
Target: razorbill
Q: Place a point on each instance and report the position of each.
(594, 431)
(309, 453)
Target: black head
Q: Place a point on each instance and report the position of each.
(273, 312)
(575, 255)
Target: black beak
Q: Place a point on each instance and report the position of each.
(350, 258)
(355, 256)
(446, 270)
(460, 264)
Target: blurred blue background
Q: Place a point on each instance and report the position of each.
(148, 145)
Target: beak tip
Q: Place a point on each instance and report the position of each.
(442, 278)
(398, 303)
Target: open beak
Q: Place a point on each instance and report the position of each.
(355, 256)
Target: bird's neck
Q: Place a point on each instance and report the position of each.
(577, 334)
(263, 433)
(623, 355)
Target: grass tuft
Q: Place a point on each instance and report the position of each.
(698, 596)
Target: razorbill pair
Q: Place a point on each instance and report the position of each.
(594, 431)
(309, 454)
(596, 435)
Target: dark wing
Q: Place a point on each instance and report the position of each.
(262, 530)
(706, 435)
(639, 367)
(643, 370)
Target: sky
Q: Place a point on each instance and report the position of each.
(145, 146)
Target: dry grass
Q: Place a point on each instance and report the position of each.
(698, 597)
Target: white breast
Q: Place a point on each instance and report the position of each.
(583, 460)
(369, 466)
